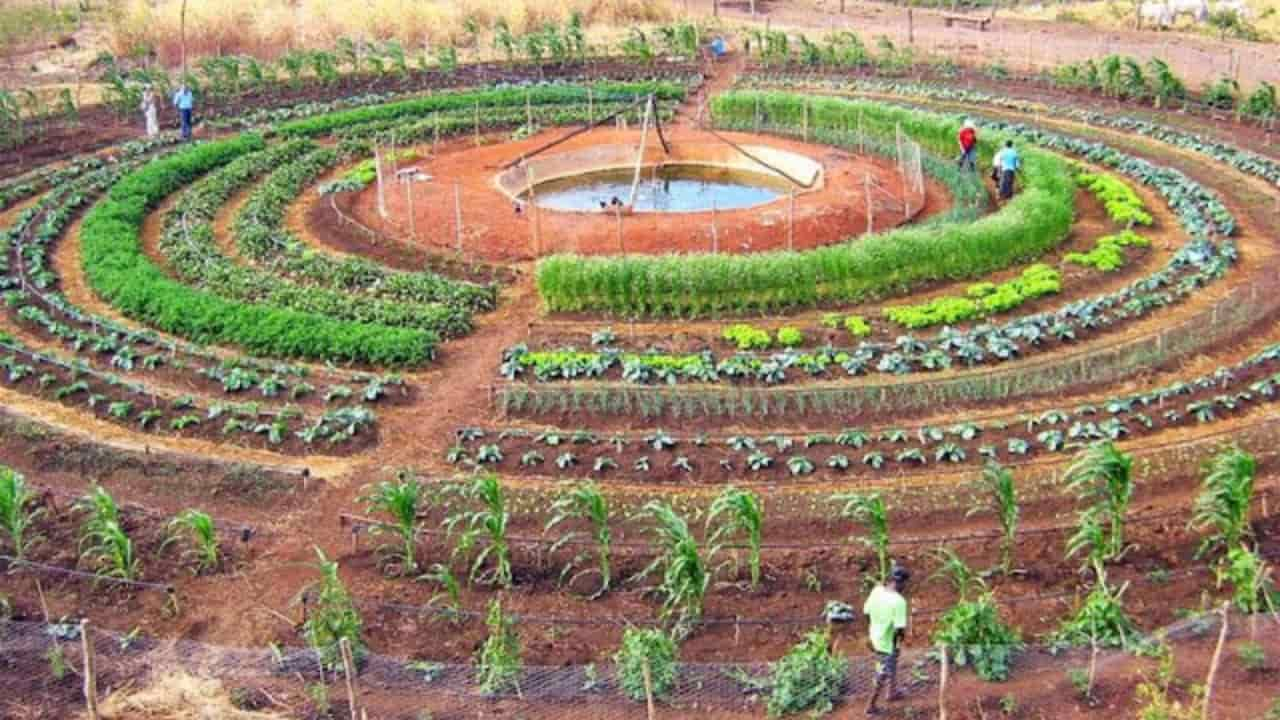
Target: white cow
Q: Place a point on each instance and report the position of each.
(1197, 9)
(1156, 14)
(1239, 7)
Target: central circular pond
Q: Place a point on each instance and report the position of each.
(672, 187)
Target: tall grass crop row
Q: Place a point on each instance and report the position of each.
(873, 266)
(484, 99)
(121, 273)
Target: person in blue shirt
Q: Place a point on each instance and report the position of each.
(1006, 164)
(184, 101)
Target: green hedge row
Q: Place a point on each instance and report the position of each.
(121, 273)
(497, 97)
(879, 265)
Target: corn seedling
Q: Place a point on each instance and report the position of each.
(17, 516)
(684, 571)
(403, 501)
(205, 549)
(490, 521)
(1001, 499)
(1225, 496)
(738, 512)
(870, 511)
(1101, 477)
(104, 545)
(585, 502)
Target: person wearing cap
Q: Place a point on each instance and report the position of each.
(886, 611)
(968, 139)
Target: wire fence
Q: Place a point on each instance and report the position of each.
(383, 686)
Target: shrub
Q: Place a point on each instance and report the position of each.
(809, 677)
(975, 635)
(333, 615)
(640, 647)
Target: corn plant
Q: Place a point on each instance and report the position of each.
(104, 544)
(870, 512)
(739, 512)
(1250, 579)
(1225, 497)
(651, 648)
(1101, 619)
(954, 569)
(17, 517)
(333, 615)
(685, 575)
(498, 660)
(1001, 499)
(1101, 477)
(490, 521)
(403, 500)
(205, 548)
(584, 501)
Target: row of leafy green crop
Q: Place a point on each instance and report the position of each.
(874, 266)
(481, 100)
(981, 299)
(121, 273)
(194, 253)
(260, 234)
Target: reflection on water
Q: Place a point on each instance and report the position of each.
(666, 188)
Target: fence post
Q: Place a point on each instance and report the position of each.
(942, 686)
(806, 121)
(533, 209)
(477, 123)
(648, 690)
(591, 107)
(408, 195)
(528, 111)
(715, 232)
(90, 671)
(1213, 666)
(435, 131)
(382, 198)
(791, 221)
(349, 669)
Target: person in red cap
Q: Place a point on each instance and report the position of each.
(968, 139)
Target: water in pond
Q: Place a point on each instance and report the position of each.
(667, 188)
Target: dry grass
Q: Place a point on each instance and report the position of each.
(266, 28)
(177, 696)
(1111, 15)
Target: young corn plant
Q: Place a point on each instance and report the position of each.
(584, 501)
(17, 514)
(734, 513)
(972, 628)
(684, 571)
(403, 500)
(1250, 579)
(1225, 496)
(498, 661)
(104, 545)
(1101, 477)
(333, 615)
(205, 549)
(489, 520)
(1001, 499)
(870, 512)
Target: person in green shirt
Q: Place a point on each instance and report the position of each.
(886, 611)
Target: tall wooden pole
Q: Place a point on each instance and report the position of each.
(457, 216)
(90, 671)
(349, 670)
(182, 32)
(942, 686)
(870, 211)
(1213, 666)
(648, 690)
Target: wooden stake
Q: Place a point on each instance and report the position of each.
(942, 686)
(349, 669)
(648, 690)
(617, 212)
(1213, 666)
(1093, 657)
(457, 216)
(435, 132)
(533, 208)
(477, 123)
(44, 603)
(90, 671)
(382, 198)
(591, 107)
(528, 111)
(806, 121)
(715, 232)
